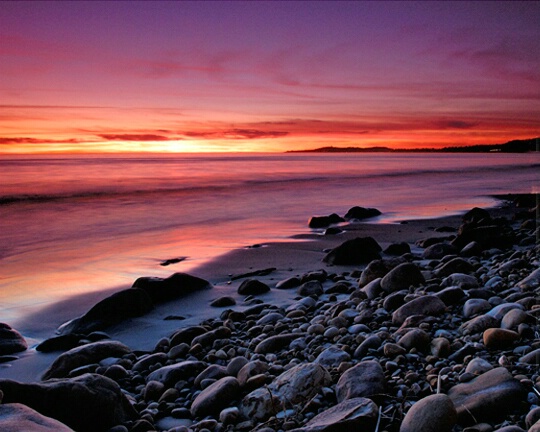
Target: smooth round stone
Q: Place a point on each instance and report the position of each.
(434, 413)
(478, 366)
(315, 329)
(497, 338)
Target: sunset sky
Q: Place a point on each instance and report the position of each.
(266, 76)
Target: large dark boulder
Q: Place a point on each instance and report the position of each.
(362, 213)
(11, 341)
(129, 303)
(356, 251)
(252, 287)
(87, 403)
(173, 287)
(324, 221)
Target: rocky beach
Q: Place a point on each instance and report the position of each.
(426, 325)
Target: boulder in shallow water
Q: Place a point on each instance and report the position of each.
(356, 251)
(129, 303)
(15, 417)
(173, 287)
(11, 341)
(87, 403)
(360, 213)
(324, 221)
(84, 355)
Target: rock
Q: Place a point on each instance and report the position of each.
(186, 335)
(439, 250)
(16, 417)
(456, 265)
(477, 366)
(324, 221)
(350, 415)
(11, 341)
(415, 338)
(213, 371)
(84, 355)
(87, 403)
(276, 343)
(398, 249)
(332, 357)
(372, 289)
(440, 347)
(475, 306)
(434, 413)
(513, 318)
(289, 283)
(365, 379)
(236, 364)
(173, 287)
(59, 343)
(476, 214)
(310, 288)
(216, 397)
(530, 282)
(531, 358)
(223, 301)
(471, 249)
(460, 280)
(171, 374)
(499, 311)
(402, 277)
(479, 324)
(292, 388)
(376, 269)
(361, 213)
(425, 305)
(356, 251)
(497, 338)
(129, 303)
(451, 295)
(253, 287)
(372, 342)
(487, 397)
(487, 236)
(250, 370)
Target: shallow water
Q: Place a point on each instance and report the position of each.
(72, 225)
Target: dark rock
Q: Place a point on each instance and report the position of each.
(332, 231)
(497, 338)
(171, 374)
(288, 283)
(365, 379)
(456, 265)
(11, 341)
(479, 324)
(87, 403)
(16, 417)
(361, 213)
(311, 288)
(394, 300)
(213, 371)
(376, 269)
(488, 236)
(487, 397)
(415, 338)
(173, 287)
(451, 295)
(129, 303)
(84, 355)
(439, 250)
(356, 251)
(398, 249)
(276, 343)
(223, 301)
(434, 413)
(350, 415)
(253, 287)
(531, 358)
(215, 397)
(476, 214)
(472, 249)
(425, 305)
(475, 306)
(186, 335)
(59, 343)
(332, 357)
(370, 343)
(324, 221)
(402, 277)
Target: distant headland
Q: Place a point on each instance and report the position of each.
(514, 146)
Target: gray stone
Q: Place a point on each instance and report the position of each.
(530, 282)
(531, 358)
(434, 413)
(84, 355)
(415, 338)
(16, 417)
(426, 305)
(332, 357)
(310, 288)
(456, 265)
(216, 397)
(487, 397)
(402, 277)
(355, 414)
(499, 311)
(460, 280)
(513, 318)
(477, 366)
(475, 306)
(276, 343)
(365, 379)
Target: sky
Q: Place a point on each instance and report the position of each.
(266, 76)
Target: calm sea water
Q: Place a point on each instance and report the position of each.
(70, 225)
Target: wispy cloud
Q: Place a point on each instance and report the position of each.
(135, 137)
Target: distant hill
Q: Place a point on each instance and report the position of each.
(515, 146)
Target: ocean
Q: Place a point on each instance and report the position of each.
(71, 225)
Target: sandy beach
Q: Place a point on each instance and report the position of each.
(302, 258)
